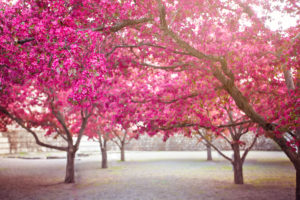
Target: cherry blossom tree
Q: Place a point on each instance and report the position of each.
(51, 71)
(100, 128)
(240, 126)
(122, 137)
(187, 50)
(231, 46)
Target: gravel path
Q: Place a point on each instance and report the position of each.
(149, 175)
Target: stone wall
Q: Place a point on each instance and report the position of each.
(18, 140)
(176, 143)
(181, 143)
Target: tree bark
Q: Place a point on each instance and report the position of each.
(208, 150)
(104, 155)
(70, 169)
(122, 152)
(297, 183)
(237, 165)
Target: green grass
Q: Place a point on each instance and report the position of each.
(23, 153)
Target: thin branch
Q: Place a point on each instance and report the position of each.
(182, 125)
(227, 140)
(246, 130)
(181, 98)
(239, 132)
(84, 120)
(291, 133)
(191, 50)
(119, 26)
(128, 141)
(124, 46)
(115, 28)
(60, 133)
(144, 44)
(168, 102)
(232, 130)
(249, 148)
(140, 101)
(117, 143)
(25, 40)
(37, 140)
(61, 120)
(170, 67)
(4, 66)
(213, 146)
(117, 135)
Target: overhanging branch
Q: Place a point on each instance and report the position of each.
(167, 101)
(191, 50)
(183, 125)
(115, 28)
(119, 26)
(25, 40)
(37, 140)
(144, 44)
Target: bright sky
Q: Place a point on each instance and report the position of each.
(278, 20)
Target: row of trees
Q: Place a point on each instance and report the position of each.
(100, 67)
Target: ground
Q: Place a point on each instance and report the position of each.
(149, 175)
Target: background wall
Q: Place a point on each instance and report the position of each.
(18, 140)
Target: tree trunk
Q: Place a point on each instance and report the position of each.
(298, 183)
(237, 165)
(122, 152)
(70, 169)
(104, 155)
(208, 149)
(294, 158)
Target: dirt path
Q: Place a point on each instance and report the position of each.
(148, 176)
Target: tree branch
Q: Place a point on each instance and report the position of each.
(25, 40)
(170, 67)
(114, 141)
(182, 125)
(117, 135)
(84, 120)
(60, 119)
(119, 26)
(167, 102)
(227, 140)
(37, 140)
(249, 148)
(180, 98)
(213, 146)
(115, 28)
(60, 133)
(143, 44)
(191, 50)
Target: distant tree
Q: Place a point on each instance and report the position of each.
(122, 137)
